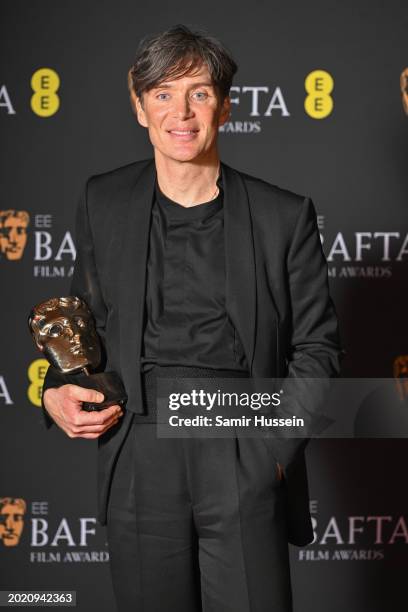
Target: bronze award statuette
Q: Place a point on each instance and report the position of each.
(63, 329)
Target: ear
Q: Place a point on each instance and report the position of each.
(138, 109)
(37, 343)
(33, 332)
(225, 111)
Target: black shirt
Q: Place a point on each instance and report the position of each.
(186, 322)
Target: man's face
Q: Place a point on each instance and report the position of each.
(11, 524)
(183, 116)
(13, 237)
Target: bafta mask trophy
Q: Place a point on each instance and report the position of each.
(63, 330)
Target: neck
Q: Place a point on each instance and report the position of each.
(188, 183)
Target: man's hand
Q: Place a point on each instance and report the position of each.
(280, 471)
(64, 406)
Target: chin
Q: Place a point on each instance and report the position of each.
(187, 157)
(10, 541)
(180, 154)
(13, 255)
(74, 366)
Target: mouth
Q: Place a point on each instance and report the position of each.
(183, 134)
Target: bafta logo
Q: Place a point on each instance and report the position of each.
(12, 512)
(400, 371)
(404, 89)
(13, 233)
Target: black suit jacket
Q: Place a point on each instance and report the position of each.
(276, 296)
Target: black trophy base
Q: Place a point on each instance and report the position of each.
(108, 383)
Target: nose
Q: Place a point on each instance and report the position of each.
(13, 235)
(181, 107)
(68, 332)
(73, 335)
(9, 524)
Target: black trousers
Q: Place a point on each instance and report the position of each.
(197, 524)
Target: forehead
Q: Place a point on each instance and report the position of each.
(14, 220)
(60, 312)
(9, 509)
(198, 75)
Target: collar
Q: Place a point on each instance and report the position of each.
(175, 211)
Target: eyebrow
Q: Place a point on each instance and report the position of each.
(206, 83)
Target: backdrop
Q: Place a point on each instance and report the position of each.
(320, 107)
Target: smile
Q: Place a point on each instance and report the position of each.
(183, 134)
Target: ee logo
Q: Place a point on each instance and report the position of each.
(319, 85)
(36, 374)
(45, 101)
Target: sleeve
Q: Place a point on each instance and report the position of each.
(315, 344)
(85, 284)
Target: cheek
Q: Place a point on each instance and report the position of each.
(57, 346)
(211, 119)
(156, 129)
(155, 118)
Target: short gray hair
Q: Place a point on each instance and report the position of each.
(176, 52)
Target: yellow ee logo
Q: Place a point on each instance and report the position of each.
(319, 85)
(36, 374)
(45, 101)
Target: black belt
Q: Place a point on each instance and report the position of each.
(150, 386)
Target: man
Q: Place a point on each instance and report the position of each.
(193, 269)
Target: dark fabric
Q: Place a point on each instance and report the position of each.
(150, 377)
(197, 525)
(186, 322)
(280, 307)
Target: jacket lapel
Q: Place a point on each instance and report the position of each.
(133, 272)
(239, 261)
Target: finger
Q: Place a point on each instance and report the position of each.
(81, 394)
(97, 434)
(91, 436)
(82, 429)
(96, 417)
